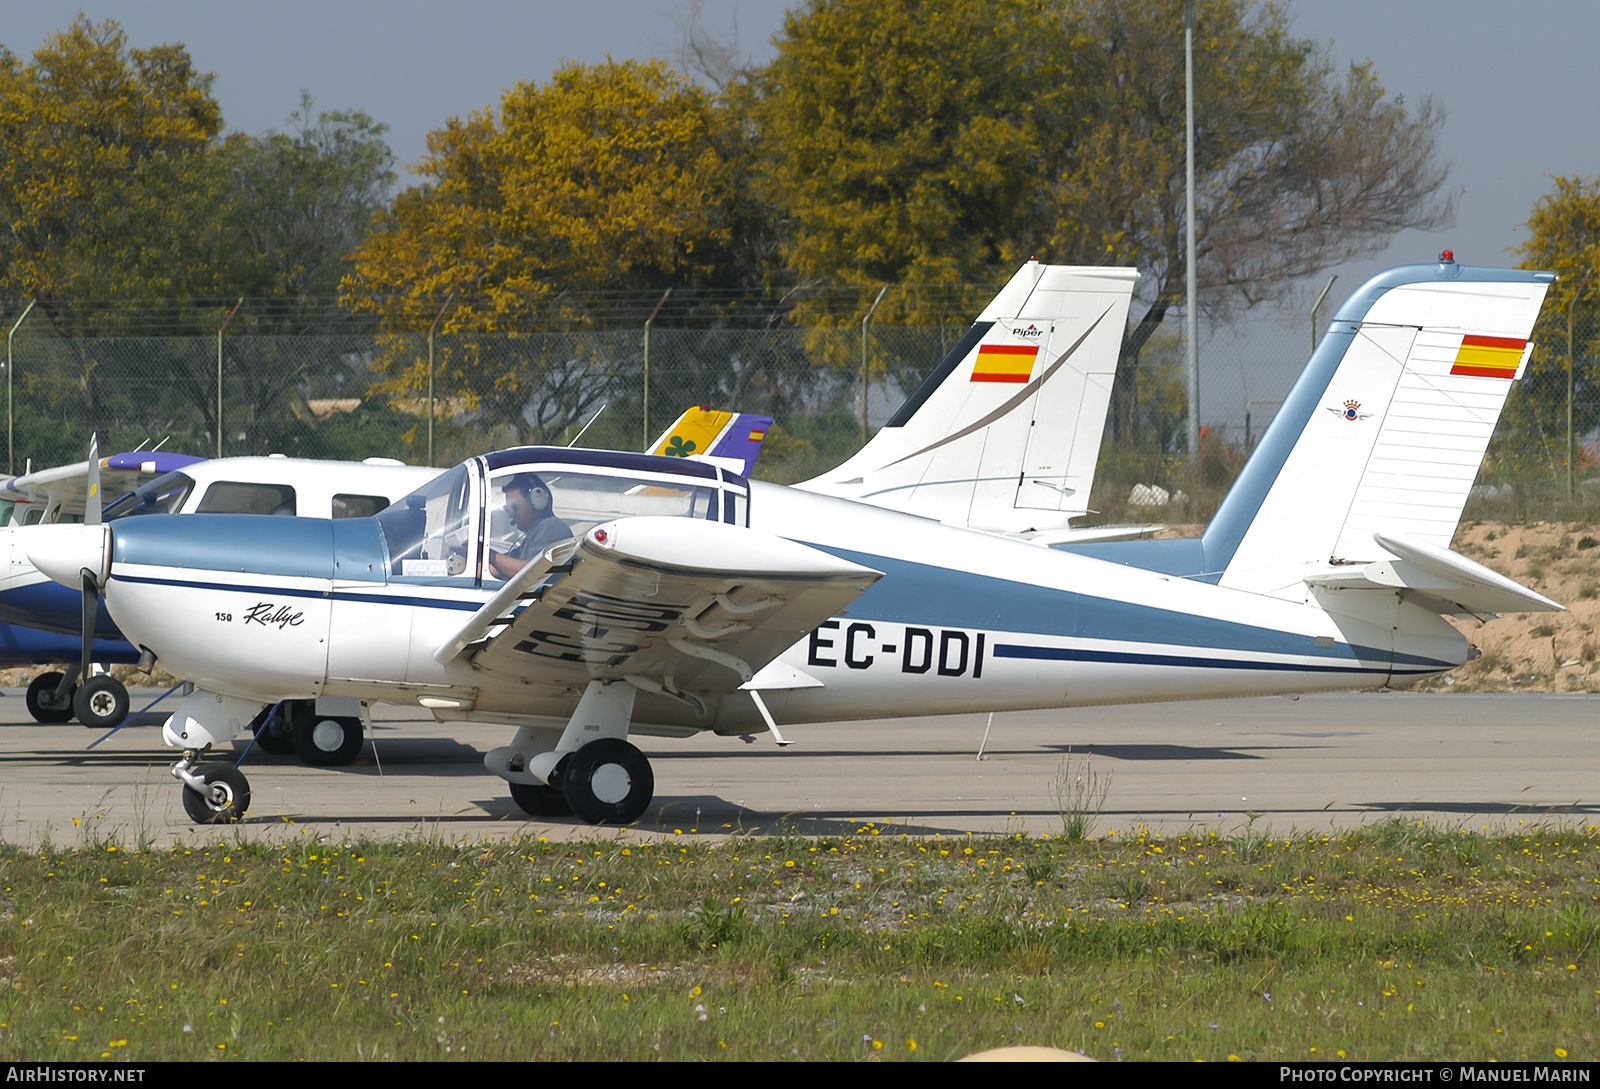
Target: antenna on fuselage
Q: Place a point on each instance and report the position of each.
(592, 419)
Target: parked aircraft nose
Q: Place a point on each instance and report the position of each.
(63, 551)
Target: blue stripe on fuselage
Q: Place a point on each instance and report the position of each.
(1128, 657)
(290, 591)
(922, 594)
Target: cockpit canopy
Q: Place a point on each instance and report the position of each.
(453, 528)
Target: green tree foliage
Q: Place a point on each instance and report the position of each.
(617, 175)
(900, 137)
(118, 189)
(1564, 237)
(1297, 166)
(910, 140)
(90, 128)
(301, 201)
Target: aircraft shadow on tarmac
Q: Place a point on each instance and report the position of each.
(1169, 752)
(1503, 809)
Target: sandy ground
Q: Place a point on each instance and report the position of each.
(1534, 652)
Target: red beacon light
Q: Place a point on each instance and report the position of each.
(601, 536)
(1447, 256)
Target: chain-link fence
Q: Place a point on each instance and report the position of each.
(439, 399)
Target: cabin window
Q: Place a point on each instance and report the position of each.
(580, 501)
(358, 506)
(237, 497)
(163, 495)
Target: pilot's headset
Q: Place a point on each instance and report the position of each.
(537, 491)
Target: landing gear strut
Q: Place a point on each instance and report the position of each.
(590, 770)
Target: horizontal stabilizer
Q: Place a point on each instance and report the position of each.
(1438, 579)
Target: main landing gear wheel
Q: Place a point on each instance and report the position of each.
(326, 742)
(608, 782)
(226, 798)
(41, 700)
(273, 736)
(538, 800)
(100, 702)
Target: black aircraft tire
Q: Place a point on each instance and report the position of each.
(608, 782)
(100, 702)
(538, 800)
(44, 685)
(327, 742)
(274, 736)
(228, 799)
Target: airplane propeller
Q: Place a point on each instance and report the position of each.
(89, 582)
(99, 701)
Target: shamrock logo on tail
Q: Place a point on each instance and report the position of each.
(678, 447)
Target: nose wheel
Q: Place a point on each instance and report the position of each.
(214, 793)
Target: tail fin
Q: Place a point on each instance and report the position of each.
(730, 439)
(1385, 430)
(1005, 432)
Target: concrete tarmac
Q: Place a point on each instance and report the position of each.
(1317, 763)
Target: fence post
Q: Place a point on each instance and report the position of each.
(11, 456)
(436, 320)
(1571, 306)
(648, 322)
(225, 322)
(864, 322)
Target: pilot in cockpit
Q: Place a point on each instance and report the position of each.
(528, 505)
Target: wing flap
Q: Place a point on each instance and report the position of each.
(688, 605)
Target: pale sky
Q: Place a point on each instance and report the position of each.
(1516, 79)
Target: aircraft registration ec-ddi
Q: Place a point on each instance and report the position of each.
(676, 598)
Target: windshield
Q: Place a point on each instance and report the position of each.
(163, 495)
(427, 531)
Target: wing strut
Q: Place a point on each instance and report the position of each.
(761, 705)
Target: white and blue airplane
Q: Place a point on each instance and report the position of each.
(676, 598)
(42, 622)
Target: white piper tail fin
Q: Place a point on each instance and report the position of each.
(1384, 432)
(1004, 434)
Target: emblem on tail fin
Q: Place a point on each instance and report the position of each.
(1350, 411)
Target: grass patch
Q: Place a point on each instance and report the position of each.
(1400, 940)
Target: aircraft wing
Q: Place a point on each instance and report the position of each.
(118, 473)
(672, 605)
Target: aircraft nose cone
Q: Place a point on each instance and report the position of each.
(62, 551)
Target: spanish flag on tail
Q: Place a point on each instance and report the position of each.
(1489, 357)
(1005, 363)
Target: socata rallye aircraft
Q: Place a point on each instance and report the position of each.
(691, 599)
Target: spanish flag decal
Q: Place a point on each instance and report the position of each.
(1489, 357)
(758, 436)
(1004, 363)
